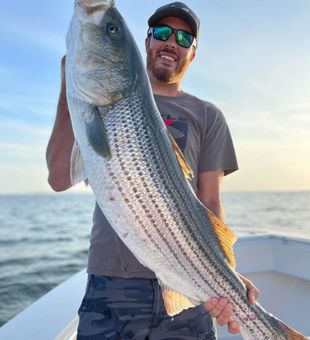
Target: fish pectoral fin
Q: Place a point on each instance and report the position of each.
(77, 172)
(175, 302)
(97, 134)
(225, 235)
(186, 169)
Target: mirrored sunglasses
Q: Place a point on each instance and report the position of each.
(163, 33)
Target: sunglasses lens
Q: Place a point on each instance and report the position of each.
(162, 33)
(184, 39)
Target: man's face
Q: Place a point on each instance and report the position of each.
(166, 60)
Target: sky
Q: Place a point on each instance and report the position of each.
(253, 62)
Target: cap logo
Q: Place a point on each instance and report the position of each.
(183, 8)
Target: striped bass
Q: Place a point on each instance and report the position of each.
(140, 178)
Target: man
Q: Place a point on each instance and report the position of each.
(123, 298)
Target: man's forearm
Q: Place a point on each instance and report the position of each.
(58, 153)
(209, 184)
(217, 208)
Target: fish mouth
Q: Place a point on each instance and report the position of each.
(95, 3)
(93, 10)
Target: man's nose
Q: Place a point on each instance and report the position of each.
(171, 41)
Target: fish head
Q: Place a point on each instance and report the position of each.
(104, 64)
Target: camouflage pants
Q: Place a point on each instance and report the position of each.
(116, 309)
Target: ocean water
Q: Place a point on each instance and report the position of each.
(44, 237)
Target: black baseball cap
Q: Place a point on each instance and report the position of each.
(179, 10)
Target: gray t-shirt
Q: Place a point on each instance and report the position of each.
(201, 132)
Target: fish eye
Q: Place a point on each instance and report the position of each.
(113, 29)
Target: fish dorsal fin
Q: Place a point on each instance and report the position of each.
(175, 302)
(225, 235)
(186, 169)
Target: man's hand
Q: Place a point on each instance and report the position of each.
(222, 309)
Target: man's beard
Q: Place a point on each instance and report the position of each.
(164, 74)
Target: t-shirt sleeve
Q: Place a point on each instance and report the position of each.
(217, 150)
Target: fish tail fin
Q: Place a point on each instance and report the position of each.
(291, 333)
(279, 328)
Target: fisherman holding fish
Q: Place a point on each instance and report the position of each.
(123, 298)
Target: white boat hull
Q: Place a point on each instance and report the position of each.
(278, 265)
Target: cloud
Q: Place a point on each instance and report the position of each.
(28, 107)
(19, 152)
(26, 178)
(25, 98)
(23, 178)
(18, 127)
(27, 31)
(23, 143)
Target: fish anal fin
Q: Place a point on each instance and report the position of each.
(175, 302)
(186, 169)
(225, 235)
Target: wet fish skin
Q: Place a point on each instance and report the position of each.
(132, 169)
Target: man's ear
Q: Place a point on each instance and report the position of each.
(193, 55)
(147, 43)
